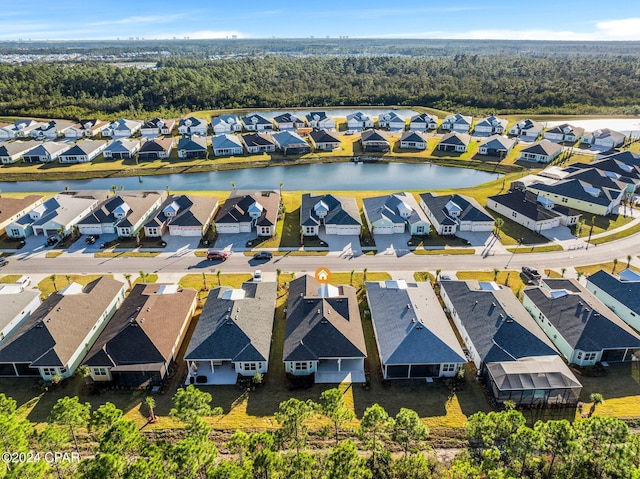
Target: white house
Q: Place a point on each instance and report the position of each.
(543, 151)
(491, 125)
(226, 145)
(182, 215)
(620, 293)
(17, 305)
(86, 129)
(19, 129)
(527, 130)
(320, 120)
(50, 130)
(12, 152)
(122, 128)
(255, 122)
(391, 121)
(564, 133)
(414, 140)
(193, 147)
(457, 122)
(155, 149)
(423, 122)
(248, 211)
(359, 121)
(158, 126)
(604, 138)
(122, 149)
(338, 214)
(396, 213)
(83, 151)
(454, 141)
(288, 121)
(226, 124)
(46, 152)
(13, 209)
(580, 195)
(496, 145)
(193, 126)
(452, 213)
(258, 143)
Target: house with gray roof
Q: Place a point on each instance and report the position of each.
(620, 293)
(496, 145)
(454, 141)
(182, 215)
(543, 151)
(324, 141)
(17, 305)
(423, 122)
(50, 130)
(509, 349)
(83, 151)
(47, 152)
(86, 128)
(258, 143)
(413, 140)
(288, 121)
(581, 195)
(323, 335)
(233, 336)
(564, 133)
(582, 328)
(122, 149)
(256, 122)
(338, 214)
(450, 214)
(19, 129)
(491, 125)
(247, 211)
(391, 121)
(290, 143)
(226, 124)
(527, 130)
(359, 121)
(320, 120)
(226, 145)
(55, 338)
(412, 333)
(534, 212)
(139, 345)
(193, 126)
(604, 138)
(122, 128)
(193, 147)
(459, 123)
(613, 168)
(158, 126)
(155, 149)
(374, 141)
(12, 152)
(396, 213)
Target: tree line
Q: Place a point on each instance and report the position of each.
(500, 445)
(467, 83)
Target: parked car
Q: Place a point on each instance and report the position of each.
(92, 239)
(24, 281)
(3, 261)
(263, 255)
(217, 255)
(531, 274)
(257, 276)
(52, 240)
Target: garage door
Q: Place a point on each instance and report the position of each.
(348, 230)
(383, 230)
(90, 229)
(225, 229)
(108, 229)
(177, 231)
(481, 227)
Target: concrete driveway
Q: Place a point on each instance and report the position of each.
(394, 244)
(347, 245)
(234, 241)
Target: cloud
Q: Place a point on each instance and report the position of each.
(142, 20)
(623, 29)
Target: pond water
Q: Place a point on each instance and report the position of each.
(322, 176)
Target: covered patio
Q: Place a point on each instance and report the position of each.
(335, 371)
(211, 373)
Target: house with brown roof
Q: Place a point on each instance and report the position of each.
(56, 337)
(140, 344)
(11, 209)
(158, 126)
(156, 149)
(86, 128)
(246, 211)
(183, 215)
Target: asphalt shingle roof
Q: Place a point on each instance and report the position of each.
(471, 210)
(627, 292)
(342, 210)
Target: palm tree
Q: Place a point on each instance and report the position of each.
(127, 276)
(204, 282)
(151, 404)
(278, 273)
(498, 226)
(564, 270)
(438, 271)
(495, 274)
(364, 275)
(68, 278)
(580, 274)
(281, 185)
(596, 400)
(628, 261)
(218, 276)
(353, 271)
(615, 265)
(53, 280)
(143, 275)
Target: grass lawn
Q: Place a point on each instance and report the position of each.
(620, 389)
(604, 223)
(56, 282)
(549, 273)
(423, 276)
(512, 277)
(196, 281)
(511, 232)
(10, 278)
(593, 268)
(444, 251)
(618, 235)
(53, 254)
(535, 249)
(126, 254)
(148, 278)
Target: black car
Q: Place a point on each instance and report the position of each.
(3, 261)
(52, 240)
(263, 255)
(92, 239)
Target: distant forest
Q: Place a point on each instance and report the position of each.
(469, 83)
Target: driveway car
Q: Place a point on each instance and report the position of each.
(257, 276)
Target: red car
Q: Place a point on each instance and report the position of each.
(217, 255)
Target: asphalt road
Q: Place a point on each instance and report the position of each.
(237, 262)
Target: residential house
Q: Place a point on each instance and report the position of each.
(255, 122)
(614, 168)
(158, 126)
(413, 140)
(193, 147)
(156, 149)
(288, 121)
(543, 151)
(122, 149)
(19, 129)
(12, 152)
(604, 138)
(582, 328)
(459, 123)
(491, 125)
(12, 209)
(581, 195)
(83, 151)
(620, 293)
(46, 152)
(374, 140)
(124, 213)
(50, 130)
(140, 344)
(338, 214)
(17, 305)
(233, 336)
(412, 332)
(193, 126)
(54, 339)
(391, 121)
(226, 145)
(56, 215)
(323, 335)
(226, 124)
(86, 129)
(450, 214)
(247, 211)
(290, 143)
(122, 128)
(183, 215)
(396, 213)
(423, 122)
(564, 133)
(508, 348)
(622, 156)
(496, 145)
(359, 121)
(606, 179)
(534, 212)
(258, 143)
(454, 141)
(324, 141)
(319, 120)
(528, 130)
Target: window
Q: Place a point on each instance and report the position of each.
(309, 230)
(448, 368)
(99, 371)
(579, 355)
(249, 367)
(590, 356)
(565, 200)
(63, 370)
(49, 371)
(300, 366)
(514, 214)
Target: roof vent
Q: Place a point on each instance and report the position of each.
(413, 320)
(408, 306)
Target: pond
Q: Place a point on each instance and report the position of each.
(321, 176)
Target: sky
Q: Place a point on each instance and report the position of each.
(462, 19)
